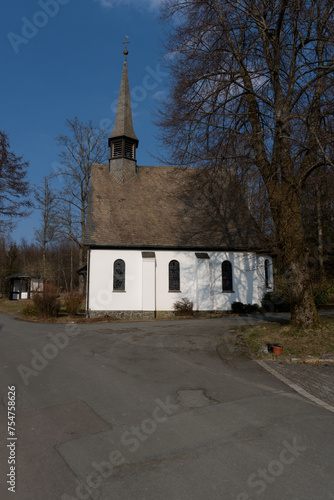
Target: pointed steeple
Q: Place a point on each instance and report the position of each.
(123, 123)
(123, 140)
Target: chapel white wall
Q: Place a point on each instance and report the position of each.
(200, 280)
(101, 294)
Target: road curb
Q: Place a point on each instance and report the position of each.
(294, 386)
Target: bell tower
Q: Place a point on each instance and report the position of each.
(123, 141)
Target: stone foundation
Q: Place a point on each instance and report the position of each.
(150, 315)
(143, 315)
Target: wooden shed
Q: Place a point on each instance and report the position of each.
(22, 285)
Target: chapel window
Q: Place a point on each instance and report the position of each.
(227, 276)
(119, 275)
(174, 276)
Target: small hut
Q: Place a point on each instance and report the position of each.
(22, 285)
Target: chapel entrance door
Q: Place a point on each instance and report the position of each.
(148, 280)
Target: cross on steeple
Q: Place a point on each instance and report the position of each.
(126, 45)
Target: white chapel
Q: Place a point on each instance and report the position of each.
(156, 235)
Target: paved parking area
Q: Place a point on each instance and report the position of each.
(161, 410)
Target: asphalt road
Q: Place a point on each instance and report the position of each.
(158, 410)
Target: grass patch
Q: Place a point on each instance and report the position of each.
(299, 343)
(13, 306)
(25, 307)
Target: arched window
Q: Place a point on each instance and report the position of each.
(266, 273)
(174, 276)
(227, 276)
(119, 275)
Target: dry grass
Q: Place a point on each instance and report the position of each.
(16, 307)
(297, 343)
(13, 306)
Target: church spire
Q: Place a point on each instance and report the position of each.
(123, 140)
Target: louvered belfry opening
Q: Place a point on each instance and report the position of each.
(116, 149)
(122, 148)
(129, 150)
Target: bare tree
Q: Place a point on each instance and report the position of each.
(318, 218)
(84, 146)
(14, 188)
(252, 86)
(46, 203)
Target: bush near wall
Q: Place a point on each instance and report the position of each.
(240, 308)
(73, 301)
(47, 301)
(183, 307)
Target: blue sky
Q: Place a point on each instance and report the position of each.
(64, 58)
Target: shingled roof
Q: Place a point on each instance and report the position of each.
(167, 207)
(163, 207)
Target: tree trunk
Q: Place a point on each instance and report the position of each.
(303, 310)
(71, 279)
(44, 260)
(81, 264)
(320, 232)
(285, 206)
